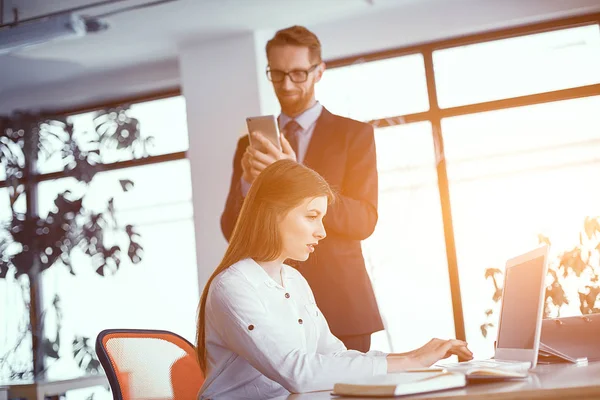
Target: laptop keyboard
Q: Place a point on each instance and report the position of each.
(476, 363)
(516, 365)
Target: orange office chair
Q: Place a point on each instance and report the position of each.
(149, 364)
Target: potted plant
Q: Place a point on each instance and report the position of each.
(580, 263)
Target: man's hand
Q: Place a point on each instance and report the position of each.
(248, 173)
(255, 161)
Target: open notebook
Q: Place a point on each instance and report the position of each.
(400, 384)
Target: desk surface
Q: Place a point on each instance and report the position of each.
(547, 382)
(40, 390)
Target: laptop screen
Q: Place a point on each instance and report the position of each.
(520, 304)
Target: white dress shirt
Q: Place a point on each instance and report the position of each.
(307, 121)
(265, 340)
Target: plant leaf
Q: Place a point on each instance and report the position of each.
(126, 184)
(543, 239)
(491, 272)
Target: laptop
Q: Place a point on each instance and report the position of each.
(521, 315)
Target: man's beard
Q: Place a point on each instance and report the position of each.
(296, 104)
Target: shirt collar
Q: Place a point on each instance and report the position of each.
(256, 275)
(306, 119)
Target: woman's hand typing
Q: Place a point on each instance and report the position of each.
(429, 354)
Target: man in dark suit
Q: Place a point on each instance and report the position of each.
(342, 150)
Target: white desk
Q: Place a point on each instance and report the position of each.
(547, 382)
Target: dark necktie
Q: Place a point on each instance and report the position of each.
(291, 131)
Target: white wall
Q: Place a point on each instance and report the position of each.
(220, 82)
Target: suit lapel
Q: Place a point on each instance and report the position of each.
(321, 138)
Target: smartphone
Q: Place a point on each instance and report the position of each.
(267, 125)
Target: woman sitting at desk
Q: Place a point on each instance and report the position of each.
(260, 332)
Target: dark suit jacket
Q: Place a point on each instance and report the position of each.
(342, 150)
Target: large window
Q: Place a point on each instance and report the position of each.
(410, 224)
(507, 156)
(515, 174)
(162, 124)
(518, 66)
(134, 188)
(377, 89)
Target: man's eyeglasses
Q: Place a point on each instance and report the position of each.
(296, 75)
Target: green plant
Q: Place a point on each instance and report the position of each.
(31, 244)
(582, 263)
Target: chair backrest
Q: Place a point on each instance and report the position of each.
(149, 364)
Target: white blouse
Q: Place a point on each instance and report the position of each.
(265, 340)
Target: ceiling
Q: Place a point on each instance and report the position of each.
(154, 35)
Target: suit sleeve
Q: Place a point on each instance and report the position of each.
(354, 213)
(233, 205)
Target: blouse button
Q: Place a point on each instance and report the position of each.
(300, 321)
(287, 295)
(250, 327)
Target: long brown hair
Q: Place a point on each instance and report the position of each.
(278, 189)
(297, 36)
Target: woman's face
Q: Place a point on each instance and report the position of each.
(302, 228)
